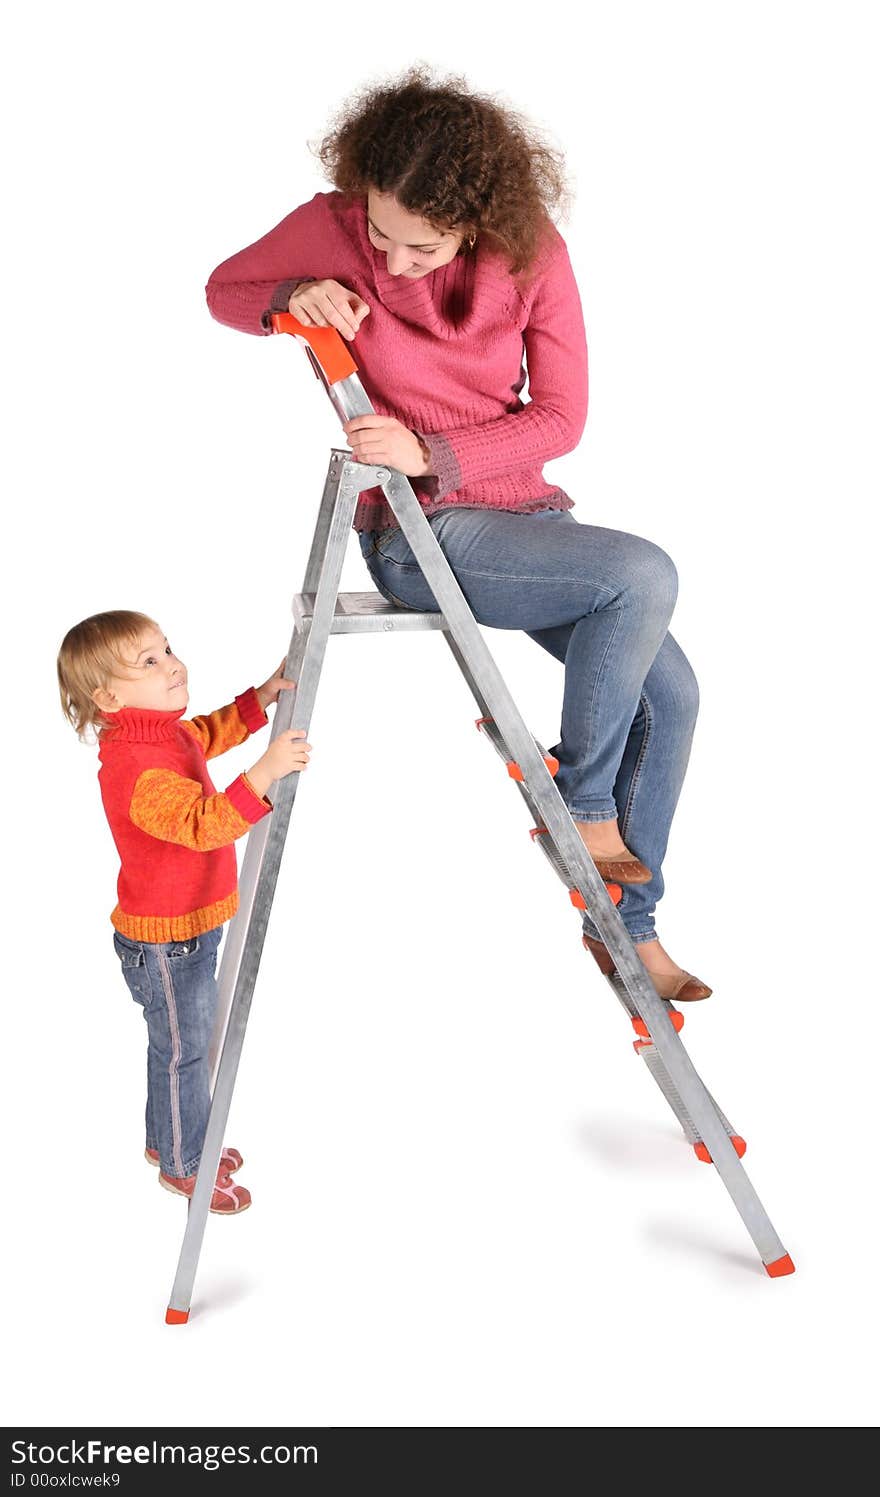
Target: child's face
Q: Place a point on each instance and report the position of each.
(153, 678)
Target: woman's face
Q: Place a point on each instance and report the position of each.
(411, 246)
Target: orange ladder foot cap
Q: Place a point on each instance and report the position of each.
(176, 1317)
(780, 1268)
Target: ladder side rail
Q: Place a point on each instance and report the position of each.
(265, 843)
(323, 527)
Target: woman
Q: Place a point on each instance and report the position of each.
(437, 251)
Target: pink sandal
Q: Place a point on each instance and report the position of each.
(227, 1200)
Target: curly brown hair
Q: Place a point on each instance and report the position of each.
(457, 158)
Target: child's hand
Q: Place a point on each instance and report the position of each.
(285, 754)
(270, 690)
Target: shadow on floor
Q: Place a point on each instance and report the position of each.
(678, 1237)
(642, 1148)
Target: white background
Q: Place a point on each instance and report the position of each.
(471, 1205)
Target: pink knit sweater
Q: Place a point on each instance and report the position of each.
(442, 353)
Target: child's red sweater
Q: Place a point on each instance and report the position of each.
(173, 831)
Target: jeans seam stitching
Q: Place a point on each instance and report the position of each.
(602, 664)
(413, 566)
(173, 1069)
(637, 771)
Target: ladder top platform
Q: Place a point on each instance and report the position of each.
(366, 613)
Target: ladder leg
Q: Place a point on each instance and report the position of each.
(492, 693)
(263, 858)
(253, 856)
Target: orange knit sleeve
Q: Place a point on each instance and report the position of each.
(227, 726)
(174, 809)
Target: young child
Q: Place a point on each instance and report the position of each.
(178, 881)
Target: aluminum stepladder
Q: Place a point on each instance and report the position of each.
(321, 610)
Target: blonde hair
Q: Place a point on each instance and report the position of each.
(90, 655)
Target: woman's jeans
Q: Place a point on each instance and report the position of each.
(173, 981)
(600, 601)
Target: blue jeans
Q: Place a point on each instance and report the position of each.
(600, 601)
(174, 983)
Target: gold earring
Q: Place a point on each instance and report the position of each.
(472, 238)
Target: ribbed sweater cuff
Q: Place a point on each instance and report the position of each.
(247, 803)
(281, 297)
(250, 711)
(444, 476)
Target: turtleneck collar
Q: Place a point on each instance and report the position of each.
(448, 301)
(142, 725)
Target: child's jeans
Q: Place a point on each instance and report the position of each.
(600, 601)
(174, 983)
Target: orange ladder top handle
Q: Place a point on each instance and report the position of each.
(326, 345)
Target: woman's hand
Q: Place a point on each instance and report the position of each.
(270, 690)
(327, 304)
(383, 440)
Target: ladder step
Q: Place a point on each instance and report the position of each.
(647, 1051)
(642, 1029)
(615, 981)
(488, 726)
(703, 1154)
(366, 613)
(670, 1090)
(554, 858)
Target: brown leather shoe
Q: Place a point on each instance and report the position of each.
(621, 870)
(681, 988)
